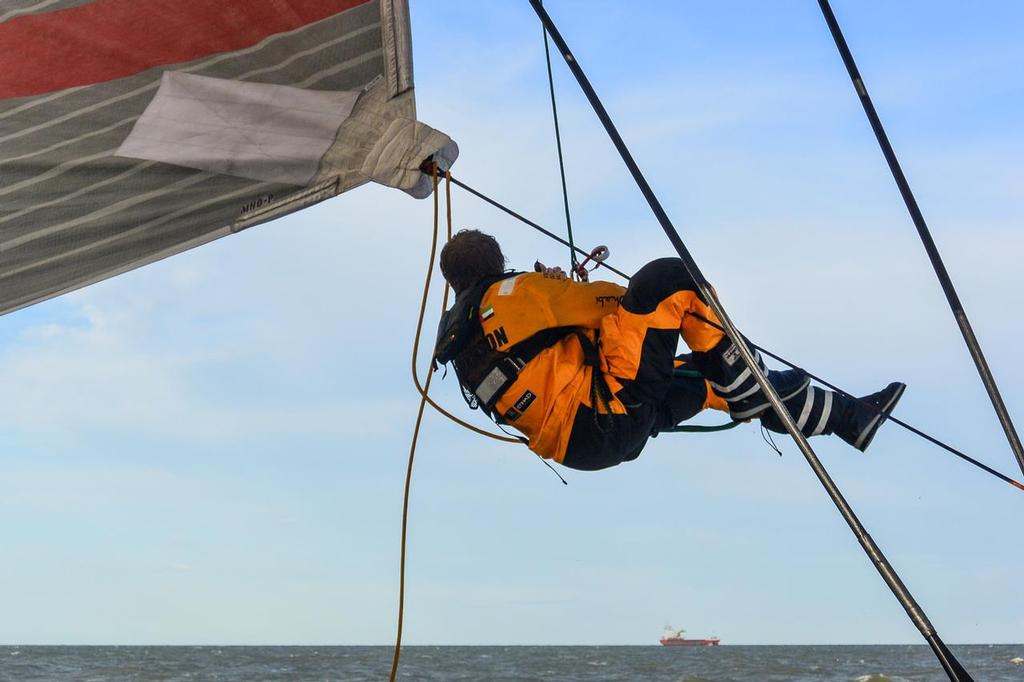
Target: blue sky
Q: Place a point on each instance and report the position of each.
(212, 449)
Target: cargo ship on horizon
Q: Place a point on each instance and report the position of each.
(673, 637)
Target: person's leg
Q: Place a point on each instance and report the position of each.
(686, 397)
(638, 348)
(820, 412)
(639, 340)
(638, 343)
(606, 440)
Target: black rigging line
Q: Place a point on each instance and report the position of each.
(949, 662)
(779, 358)
(532, 224)
(894, 420)
(574, 264)
(973, 346)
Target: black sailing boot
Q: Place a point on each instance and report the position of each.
(818, 412)
(861, 422)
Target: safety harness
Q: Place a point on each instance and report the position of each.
(483, 371)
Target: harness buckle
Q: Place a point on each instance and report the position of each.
(503, 375)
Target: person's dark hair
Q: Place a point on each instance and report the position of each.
(470, 256)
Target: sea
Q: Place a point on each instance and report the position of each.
(986, 663)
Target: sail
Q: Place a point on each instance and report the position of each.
(132, 130)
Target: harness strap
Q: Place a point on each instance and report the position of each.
(506, 371)
(601, 395)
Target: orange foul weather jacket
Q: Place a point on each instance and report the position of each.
(543, 401)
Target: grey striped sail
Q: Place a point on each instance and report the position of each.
(132, 130)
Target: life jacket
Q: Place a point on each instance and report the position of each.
(484, 372)
(525, 349)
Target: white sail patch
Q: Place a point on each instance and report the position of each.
(271, 133)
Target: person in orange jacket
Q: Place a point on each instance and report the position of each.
(587, 371)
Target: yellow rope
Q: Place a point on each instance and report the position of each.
(412, 450)
(423, 389)
(444, 306)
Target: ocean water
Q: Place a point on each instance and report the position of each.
(987, 663)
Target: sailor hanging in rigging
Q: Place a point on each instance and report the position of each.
(586, 370)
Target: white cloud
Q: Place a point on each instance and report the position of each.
(149, 354)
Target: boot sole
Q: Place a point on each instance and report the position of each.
(753, 412)
(868, 434)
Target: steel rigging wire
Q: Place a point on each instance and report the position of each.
(551, 235)
(973, 345)
(573, 264)
(949, 662)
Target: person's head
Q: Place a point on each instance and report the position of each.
(470, 256)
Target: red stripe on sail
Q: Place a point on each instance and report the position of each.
(109, 39)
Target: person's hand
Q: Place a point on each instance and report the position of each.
(555, 273)
(550, 273)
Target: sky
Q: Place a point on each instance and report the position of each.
(211, 450)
